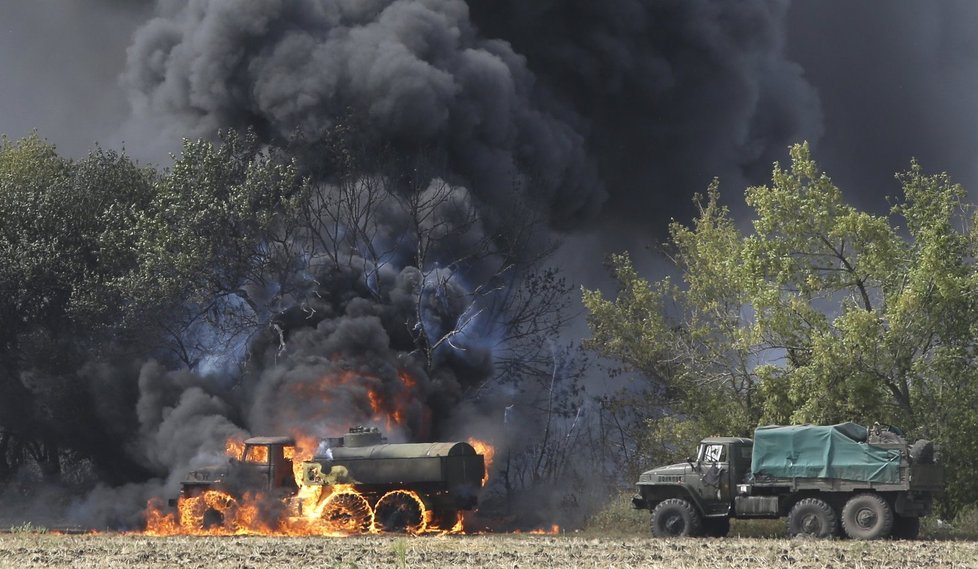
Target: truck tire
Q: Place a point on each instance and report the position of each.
(867, 516)
(716, 527)
(347, 512)
(905, 528)
(400, 511)
(212, 519)
(676, 517)
(922, 452)
(812, 517)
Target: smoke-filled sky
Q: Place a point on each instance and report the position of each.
(606, 116)
(627, 106)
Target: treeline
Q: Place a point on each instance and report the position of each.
(104, 263)
(821, 313)
(212, 266)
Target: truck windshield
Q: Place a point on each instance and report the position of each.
(712, 453)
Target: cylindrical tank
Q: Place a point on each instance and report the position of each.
(448, 473)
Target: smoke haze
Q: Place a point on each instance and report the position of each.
(605, 117)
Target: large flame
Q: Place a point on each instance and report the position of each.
(487, 451)
(333, 510)
(337, 509)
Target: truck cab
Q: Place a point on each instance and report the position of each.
(265, 463)
(709, 480)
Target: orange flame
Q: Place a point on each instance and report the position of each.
(334, 510)
(339, 510)
(487, 451)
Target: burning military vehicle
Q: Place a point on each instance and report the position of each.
(357, 483)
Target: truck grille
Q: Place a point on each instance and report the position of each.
(671, 478)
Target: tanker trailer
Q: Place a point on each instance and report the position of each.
(446, 476)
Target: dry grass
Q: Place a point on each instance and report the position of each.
(114, 550)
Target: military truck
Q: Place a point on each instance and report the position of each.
(446, 476)
(827, 481)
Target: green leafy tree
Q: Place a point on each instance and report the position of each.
(56, 217)
(823, 313)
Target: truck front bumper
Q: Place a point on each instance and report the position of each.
(639, 503)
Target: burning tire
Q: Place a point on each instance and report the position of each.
(208, 511)
(347, 512)
(400, 511)
(445, 520)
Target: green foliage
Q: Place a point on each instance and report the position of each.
(199, 236)
(28, 527)
(822, 314)
(618, 517)
(400, 548)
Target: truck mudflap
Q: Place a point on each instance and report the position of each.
(927, 477)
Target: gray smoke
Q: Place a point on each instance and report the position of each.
(894, 84)
(417, 71)
(610, 113)
(673, 93)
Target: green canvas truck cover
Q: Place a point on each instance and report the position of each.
(835, 451)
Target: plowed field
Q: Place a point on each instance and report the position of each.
(509, 551)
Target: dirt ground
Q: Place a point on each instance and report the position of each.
(26, 549)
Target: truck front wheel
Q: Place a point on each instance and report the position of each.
(867, 516)
(812, 517)
(676, 517)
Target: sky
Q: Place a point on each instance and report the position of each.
(644, 101)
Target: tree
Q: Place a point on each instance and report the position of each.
(822, 314)
(57, 218)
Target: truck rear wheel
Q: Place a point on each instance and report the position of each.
(867, 516)
(400, 511)
(676, 517)
(905, 528)
(812, 517)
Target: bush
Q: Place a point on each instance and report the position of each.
(618, 517)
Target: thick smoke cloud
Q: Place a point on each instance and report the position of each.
(673, 93)
(417, 71)
(609, 113)
(894, 84)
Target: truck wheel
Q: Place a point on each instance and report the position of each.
(716, 527)
(445, 520)
(812, 517)
(212, 519)
(905, 528)
(867, 516)
(676, 517)
(347, 512)
(400, 511)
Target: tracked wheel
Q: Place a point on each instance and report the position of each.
(347, 512)
(400, 511)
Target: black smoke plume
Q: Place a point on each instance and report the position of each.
(564, 108)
